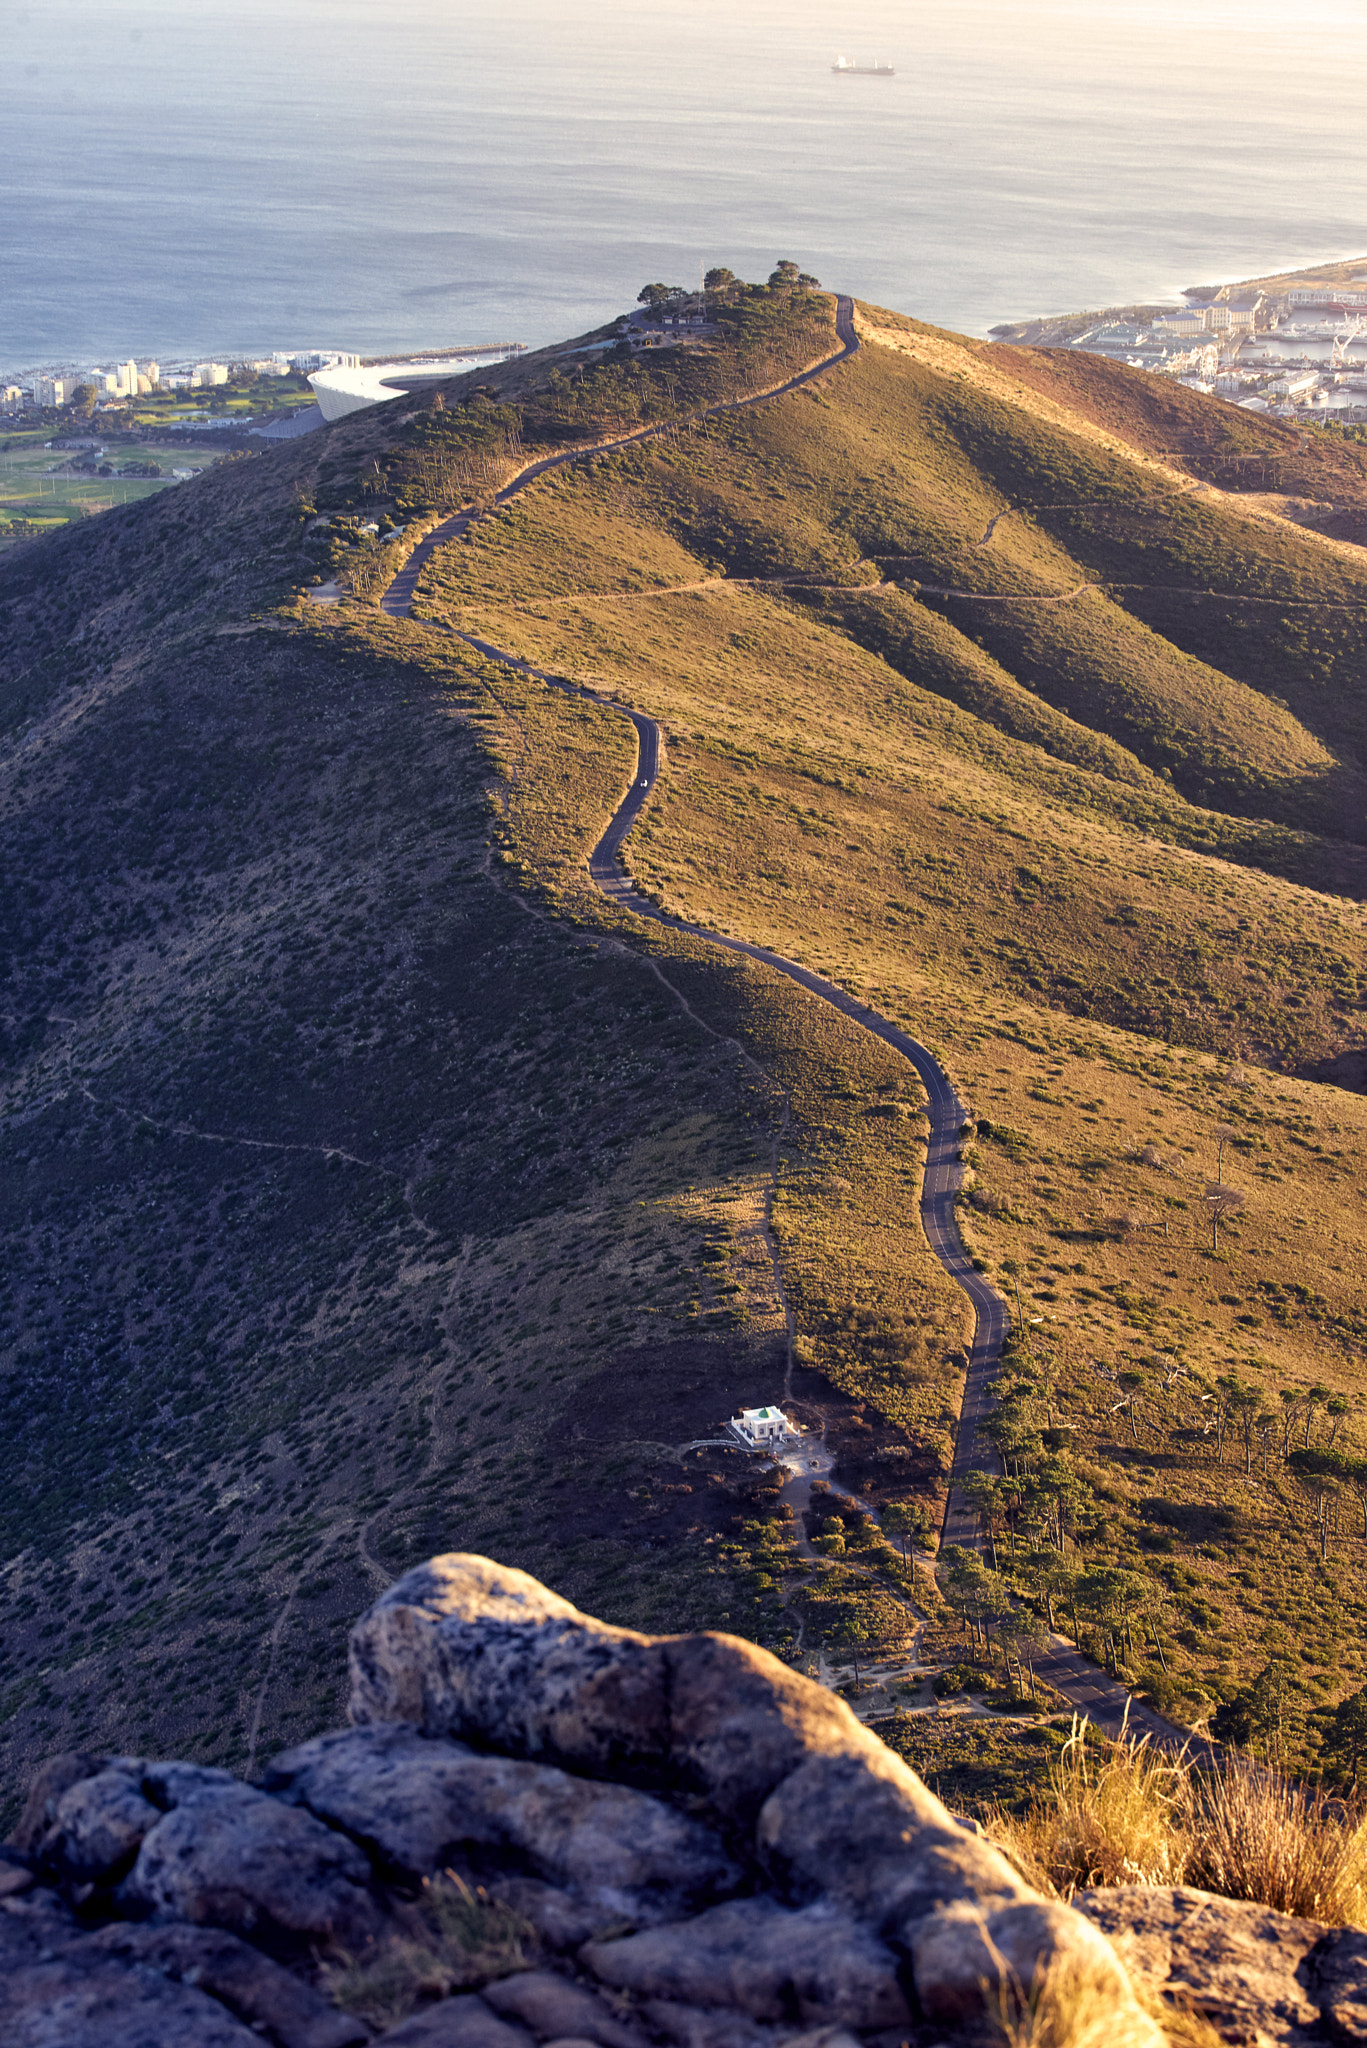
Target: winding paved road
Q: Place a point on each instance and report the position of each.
(1066, 1669)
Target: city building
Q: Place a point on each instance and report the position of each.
(1297, 384)
(345, 387)
(11, 397)
(1182, 320)
(1235, 315)
(328, 359)
(1352, 294)
(127, 375)
(50, 391)
(1200, 362)
(154, 374)
(1114, 337)
(205, 374)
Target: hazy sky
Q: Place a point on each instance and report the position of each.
(196, 173)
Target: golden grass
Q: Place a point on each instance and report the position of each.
(1256, 1836)
(1065, 2007)
(1108, 1816)
(856, 781)
(1126, 1814)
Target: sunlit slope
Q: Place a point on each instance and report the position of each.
(1054, 836)
(1216, 529)
(908, 473)
(368, 1192)
(1111, 971)
(353, 1208)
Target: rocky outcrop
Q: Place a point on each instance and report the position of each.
(810, 1803)
(1263, 1979)
(540, 1829)
(416, 1804)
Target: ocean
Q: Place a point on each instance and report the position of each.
(234, 176)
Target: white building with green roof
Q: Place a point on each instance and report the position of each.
(759, 1429)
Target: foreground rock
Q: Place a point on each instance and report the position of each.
(809, 1802)
(540, 1829)
(416, 1804)
(1259, 1977)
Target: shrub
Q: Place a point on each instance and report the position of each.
(1257, 1836)
(959, 1678)
(1110, 1816)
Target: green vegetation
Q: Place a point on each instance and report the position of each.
(976, 1765)
(130, 456)
(42, 488)
(373, 1187)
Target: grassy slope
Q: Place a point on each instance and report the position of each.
(353, 1207)
(376, 1189)
(855, 778)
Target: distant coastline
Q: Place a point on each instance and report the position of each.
(1293, 343)
(1056, 330)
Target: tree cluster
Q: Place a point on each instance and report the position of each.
(722, 284)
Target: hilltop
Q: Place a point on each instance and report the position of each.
(374, 1189)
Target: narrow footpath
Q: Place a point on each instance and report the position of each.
(1074, 1676)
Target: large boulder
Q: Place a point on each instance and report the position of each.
(418, 1801)
(96, 1827)
(60, 1990)
(815, 1963)
(809, 1799)
(228, 1856)
(1264, 1979)
(544, 1832)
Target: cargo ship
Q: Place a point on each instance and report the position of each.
(847, 64)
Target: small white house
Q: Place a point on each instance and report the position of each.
(759, 1429)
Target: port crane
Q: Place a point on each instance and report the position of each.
(1344, 341)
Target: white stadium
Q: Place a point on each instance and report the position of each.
(341, 390)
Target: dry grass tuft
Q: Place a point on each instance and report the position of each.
(1256, 1836)
(1066, 2007)
(456, 1938)
(1113, 1816)
(1127, 1815)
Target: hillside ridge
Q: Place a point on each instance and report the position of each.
(351, 1213)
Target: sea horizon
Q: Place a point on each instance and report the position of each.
(338, 178)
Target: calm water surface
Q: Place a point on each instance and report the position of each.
(232, 176)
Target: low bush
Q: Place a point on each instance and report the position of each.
(958, 1679)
